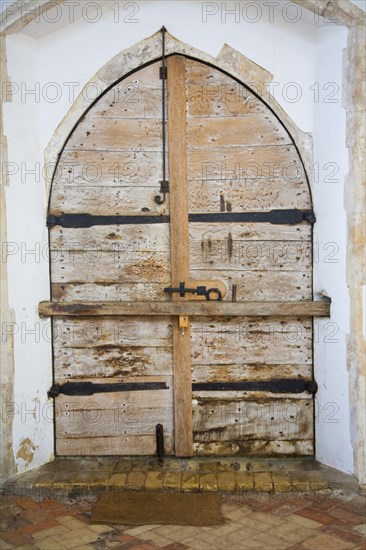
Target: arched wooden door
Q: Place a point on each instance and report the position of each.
(238, 217)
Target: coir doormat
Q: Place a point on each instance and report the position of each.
(158, 508)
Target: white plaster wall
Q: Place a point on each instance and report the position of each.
(62, 53)
(27, 268)
(333, 446)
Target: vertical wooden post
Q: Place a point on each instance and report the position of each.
(178, 181)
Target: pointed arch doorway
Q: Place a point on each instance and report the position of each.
(230, 376)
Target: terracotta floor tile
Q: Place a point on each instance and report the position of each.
(316, 515)
(346, 535)
(175, 546)
(323, 541)
(344, 514)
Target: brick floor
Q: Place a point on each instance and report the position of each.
(252, 522)
(294, 504)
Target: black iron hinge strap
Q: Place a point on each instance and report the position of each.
(277, 217)
(283, 385)
(89, 388)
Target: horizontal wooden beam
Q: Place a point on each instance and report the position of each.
(207, 308)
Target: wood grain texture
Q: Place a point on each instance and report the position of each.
(235, 132)
(179, 250)
(213, 231)
(266, 286)
(245, 163)
(251, 195)
(112, 320)
(100, 292)
(111, 360)
(142, 237)
(201, 308)
(241, 420)
(98, 266)
(108, 169)
(104, 134)
(255, 448)
(109, 201)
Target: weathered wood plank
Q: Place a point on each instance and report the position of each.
(240, 196)
(142, 237)
(110, 201)
(254, 448)
(100, 292)
(130, 134)
(108, 168)
(251, 285)
(179, 250)
(250, 372)
(96, 266)
(272, 420)
(250, 255)
(255, 347)
(249, 231)
(245, 163)
(111, 360)
(222, 97)
(263, 286)
(121, 421)
(144, 445)
(235, 132)
(138, 95)
(256, 309)
(95, 331)
(119, 400)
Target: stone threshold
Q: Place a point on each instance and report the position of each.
(84, 476)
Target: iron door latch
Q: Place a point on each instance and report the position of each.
(199, 290)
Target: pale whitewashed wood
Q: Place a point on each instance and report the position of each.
(137, 95)
(252, 285)
(225, 163)
(105, 276)
(222, 98)
(256, 396)
(125, 445)
(248, 372)
(194, 307)
(109, 201)
(131, 99)
(235, 132)
(250, 255)
(119, 400)
(254, 448)
(241, 196)
(249, 231)
(89, 292)
(263, 285)
(130, 134)
(111, 360)
(96, 266)
(108, 169)
(130, 420)
(95, 331)
(274, 420)
(141, 237)
(256, 348)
